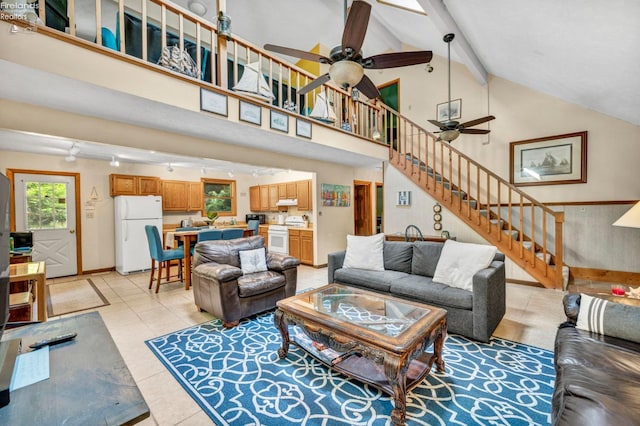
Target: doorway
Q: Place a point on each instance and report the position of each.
(362, 209)
(390, 96)
(47, 204)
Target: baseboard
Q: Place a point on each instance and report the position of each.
(620, 277)
(99, 271)
(524, 282)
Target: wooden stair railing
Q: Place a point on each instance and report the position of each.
(525, 230)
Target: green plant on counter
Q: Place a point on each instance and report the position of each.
(212, 216)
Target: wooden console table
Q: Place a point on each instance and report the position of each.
(89, 382)
(32, 271)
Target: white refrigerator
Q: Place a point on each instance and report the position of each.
(133, 213)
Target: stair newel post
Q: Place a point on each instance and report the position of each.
(488, 204)
(533, 233)
(559, 263)
(499, 212)
(544, 240)
(468, 188)
(221, 66)
(450, 175)
(510, 214)
(459, 183)
(521, 227)
(478, 193)
(442, 168)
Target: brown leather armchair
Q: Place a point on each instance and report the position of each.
(220, 288)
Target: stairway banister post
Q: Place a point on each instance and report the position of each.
(559, 219)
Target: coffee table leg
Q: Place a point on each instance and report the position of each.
(438, 344)
(278, 319)
(396, 375)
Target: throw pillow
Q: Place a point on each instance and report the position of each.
(365, 252)
(610, 318)
(253, 260)
(459, 262)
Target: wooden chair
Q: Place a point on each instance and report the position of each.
(413, 233)
(161, 256)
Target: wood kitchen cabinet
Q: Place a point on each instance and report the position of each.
(301, 245)
(282, 191)
(263, 230)
(303, 191)
(254, 198)
(181, 196)
(291, 190)
(264, 198)
(273, 198)
(134, 185)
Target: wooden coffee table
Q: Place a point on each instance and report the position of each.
(377, 339)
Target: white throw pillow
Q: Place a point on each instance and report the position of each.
(253, 260)
(459, 262)
(364, 252)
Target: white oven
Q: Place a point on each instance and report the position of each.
(278, 239)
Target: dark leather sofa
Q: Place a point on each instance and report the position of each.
(220, 288)
(597, 376)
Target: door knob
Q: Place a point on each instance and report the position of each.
(72, 231)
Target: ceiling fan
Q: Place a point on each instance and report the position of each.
(347, 62)
(451, 129)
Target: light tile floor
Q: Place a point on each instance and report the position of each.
(136, 314)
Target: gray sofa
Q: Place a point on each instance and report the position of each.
(409, 268)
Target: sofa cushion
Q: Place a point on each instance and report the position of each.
(364, 252)
(459, 262)
(398, 256)
(259, 282)
(424, 289)
(425, 257)
(610, 318)
(375, 280)
(253, 260)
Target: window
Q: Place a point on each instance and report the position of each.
(46, 205)
(219, 196)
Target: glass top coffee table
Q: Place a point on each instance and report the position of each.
(374, 338)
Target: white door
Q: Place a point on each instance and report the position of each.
(46, 206)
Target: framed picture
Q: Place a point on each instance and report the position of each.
(279, 121)
(250, 113)
(404, 198)
(552, 160)
(303, 128)
(335, 195)
(442, 110)
(213, 102)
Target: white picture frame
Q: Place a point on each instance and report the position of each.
(251, 113)
(214, 102)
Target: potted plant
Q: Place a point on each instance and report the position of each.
(211, 217)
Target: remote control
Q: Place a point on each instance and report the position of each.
(53, 340)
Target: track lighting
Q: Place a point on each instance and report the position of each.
(254, 174)
(230, 174)
(74, 150)
(169, 168)
(70, 158)
(114, 162)
(203, 171)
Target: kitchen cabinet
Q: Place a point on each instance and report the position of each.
(294, 243)
(254, 198)
(301, 245)
(282, 191)
(303, 191)
(263, 230)
(181, 196)
(264, 198)
(133, 185)
(273, 198)
(291, 190)
(306, 246)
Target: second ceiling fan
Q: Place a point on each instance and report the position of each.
(451, 129)
(347, 62)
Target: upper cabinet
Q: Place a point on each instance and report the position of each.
(181, 196)
(263, 198)
(133, 185)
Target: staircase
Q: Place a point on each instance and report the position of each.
(525, 230)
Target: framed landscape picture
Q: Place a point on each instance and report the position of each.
(551, 160)
(442, 110)
(303, 128)
(250, 113)
(213, 102)
(279, 121)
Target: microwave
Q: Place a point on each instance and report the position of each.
(262, 218)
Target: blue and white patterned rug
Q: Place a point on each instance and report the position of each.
(237, 378)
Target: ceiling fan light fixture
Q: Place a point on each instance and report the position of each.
(449, 135)
(346, 73)
(197, 7)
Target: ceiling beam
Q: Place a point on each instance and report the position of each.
(444, 22)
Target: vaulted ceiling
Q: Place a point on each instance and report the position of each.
(586, 52)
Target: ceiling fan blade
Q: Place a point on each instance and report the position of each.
(397, 59)
(314, 84)
(298, 53)
(475, 131)
(436, 123)
(367, 88)
(478, 121)
(356, 26)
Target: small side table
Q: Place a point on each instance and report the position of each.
(32, 271)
